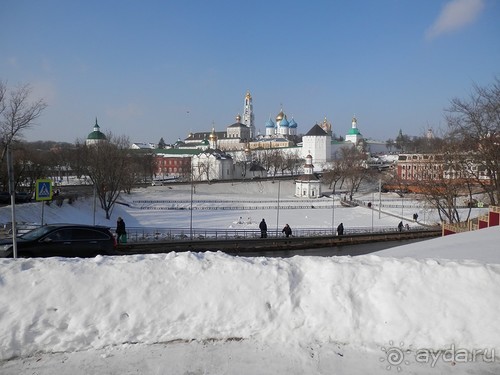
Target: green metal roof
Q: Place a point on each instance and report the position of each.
(354, 131)
(96, 134)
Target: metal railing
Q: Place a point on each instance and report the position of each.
(150, 234)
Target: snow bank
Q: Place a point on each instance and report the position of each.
(481, 245)
(76, 304)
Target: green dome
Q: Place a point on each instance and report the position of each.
(354, 131)
(96, 135)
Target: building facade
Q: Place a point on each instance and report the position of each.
(317, 143)
(308, 185)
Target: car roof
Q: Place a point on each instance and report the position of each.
(87, 226)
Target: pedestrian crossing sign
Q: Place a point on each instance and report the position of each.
(43, 190)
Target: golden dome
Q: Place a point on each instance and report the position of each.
(212, 135)
(280, 116)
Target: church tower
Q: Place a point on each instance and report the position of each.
(308, 185)
(248, 116)
(354, 135)
(96, 136)
(212, 139)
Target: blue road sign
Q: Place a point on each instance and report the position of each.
(43, 190)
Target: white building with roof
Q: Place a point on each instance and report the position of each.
(354, 135)
(212, 165)
(142, 146)
(317, 143)
(308, 185)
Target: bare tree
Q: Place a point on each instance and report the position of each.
(293, 162)
(106, 165)
(17, 113)
(475, 125)
(440, 180)
(334, 175)
(352, 163)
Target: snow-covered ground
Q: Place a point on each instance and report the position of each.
(429, 307)
(147, 207)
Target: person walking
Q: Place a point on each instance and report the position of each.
(340, 229)
(121, 234)
(287, 230)
(263, 229)
(400, 226)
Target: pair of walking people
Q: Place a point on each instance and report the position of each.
(263, 229)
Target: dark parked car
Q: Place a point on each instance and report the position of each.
(65, 240)
(21, 197)
(4, 197)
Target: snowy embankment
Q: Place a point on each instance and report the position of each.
(56, 304)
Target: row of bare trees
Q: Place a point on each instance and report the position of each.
(469, 156)
(276, 161)
(471, 152)
(111, 167)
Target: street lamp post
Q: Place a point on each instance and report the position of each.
(333, 211)
(94, 204)
(379, 196)
(278, 210)
(372, 208)
(191, 205)
(12, 191)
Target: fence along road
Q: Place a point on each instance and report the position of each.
(249, 245)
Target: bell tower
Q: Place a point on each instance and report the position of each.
(212, 139)
(248, 116)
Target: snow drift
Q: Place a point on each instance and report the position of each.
(61, 304)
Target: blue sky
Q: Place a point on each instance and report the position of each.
(152, 69)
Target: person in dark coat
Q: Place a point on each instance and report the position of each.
(263, 229)
(120, 230)
(287, 230)
(340, 229)
(400, 226)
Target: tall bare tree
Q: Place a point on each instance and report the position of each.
(353, 164)
(106, 165)
(17, 113)
(475, 125)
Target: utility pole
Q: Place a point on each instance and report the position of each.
(379, 196)
(278, 211)
(12, 191)
(191, 205)
(333, 211)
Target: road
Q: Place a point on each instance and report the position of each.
(350, 250)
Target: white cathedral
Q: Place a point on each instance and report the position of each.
(282, 127)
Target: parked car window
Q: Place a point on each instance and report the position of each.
(60, 235)
(88, 234)
(36, 233)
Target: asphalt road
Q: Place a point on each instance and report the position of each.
(350, 250)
